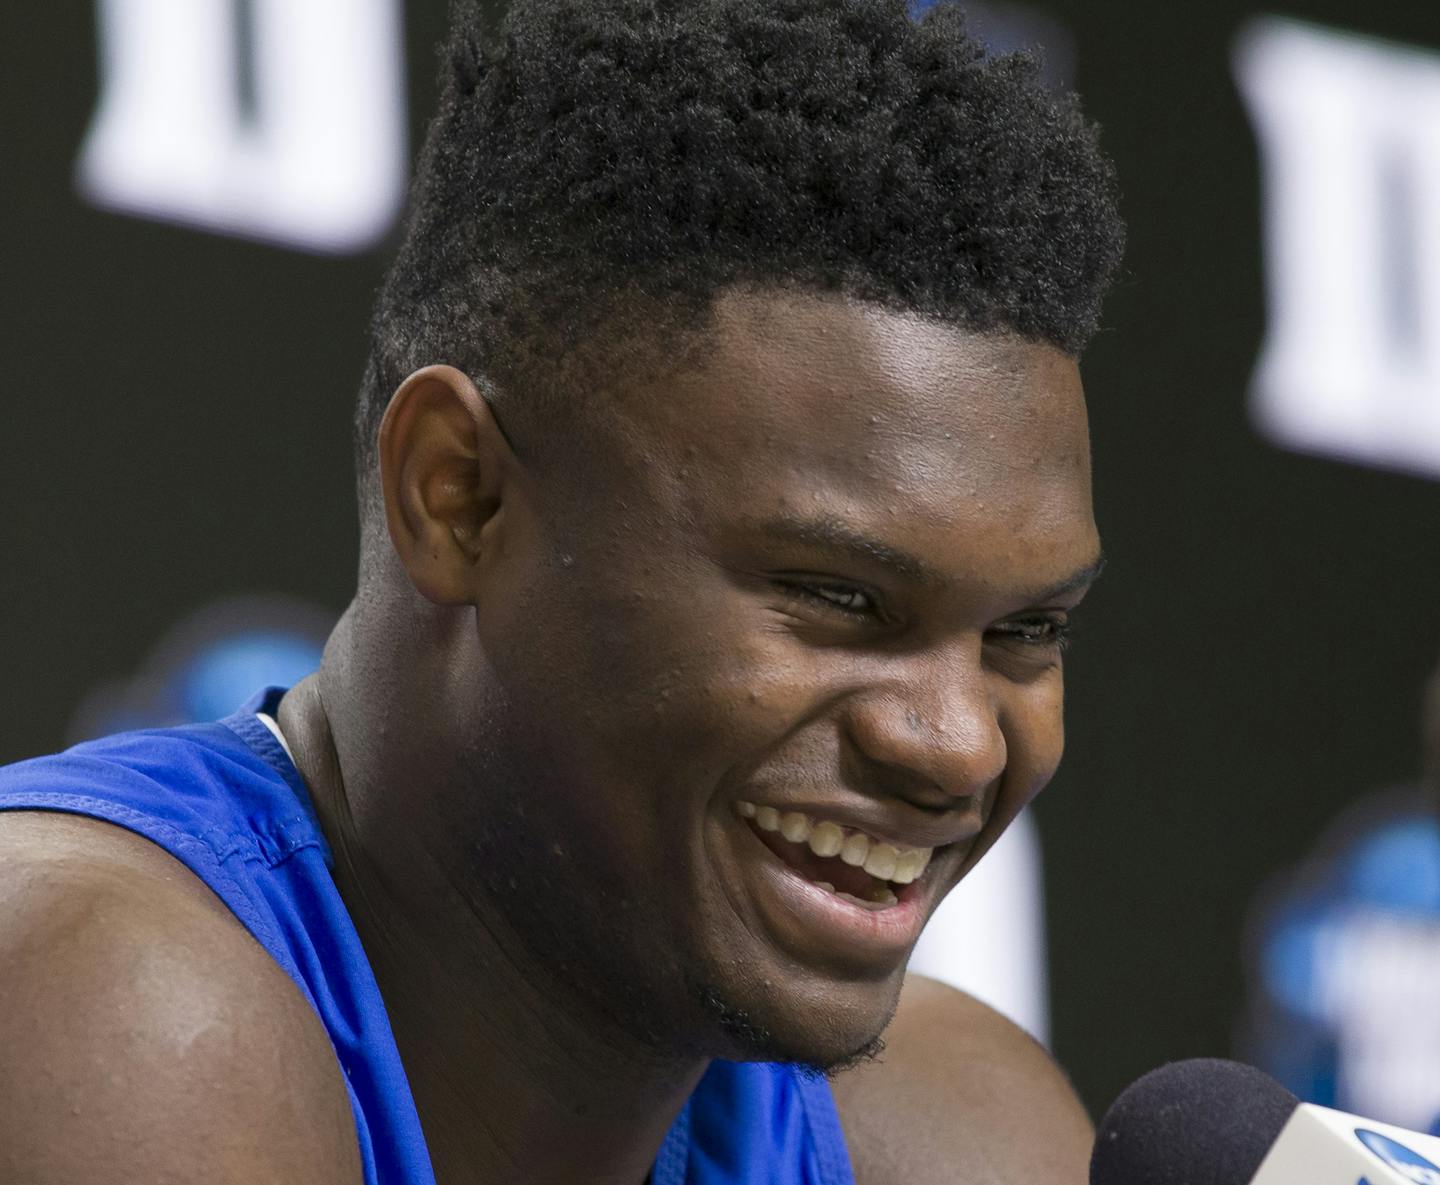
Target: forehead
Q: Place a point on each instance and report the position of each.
(822, 407)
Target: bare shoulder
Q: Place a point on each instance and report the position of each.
(961, 1095)
(147, 1036)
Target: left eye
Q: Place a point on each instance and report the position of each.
(1036, 631)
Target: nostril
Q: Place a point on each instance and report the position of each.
(920, 744)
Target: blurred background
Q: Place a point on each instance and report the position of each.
(1239, 855)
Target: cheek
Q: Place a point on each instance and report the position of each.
(1033, 721)
(714, 698)
(654, 674)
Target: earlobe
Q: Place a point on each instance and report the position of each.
(443, 463)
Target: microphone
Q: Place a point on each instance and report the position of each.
(1213, 1122)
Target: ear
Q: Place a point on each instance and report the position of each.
(444, 469)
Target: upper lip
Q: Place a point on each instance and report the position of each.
(881, 822)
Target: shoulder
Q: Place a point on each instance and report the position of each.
(147, 1035)
(961, 1094)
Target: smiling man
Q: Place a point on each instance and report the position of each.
(725, 497)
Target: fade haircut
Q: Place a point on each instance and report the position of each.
(603, 169)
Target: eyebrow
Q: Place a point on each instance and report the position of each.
(831, 535)
(1077, 579)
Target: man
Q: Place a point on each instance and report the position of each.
(725, 495)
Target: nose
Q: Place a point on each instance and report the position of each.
(936, 727)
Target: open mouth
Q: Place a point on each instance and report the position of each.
(843, 860)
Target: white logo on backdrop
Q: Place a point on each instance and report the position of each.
(282, 120)
(1349, 135)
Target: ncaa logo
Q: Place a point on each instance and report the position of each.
(1410, 1165)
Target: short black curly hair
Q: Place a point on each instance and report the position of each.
(609, 155)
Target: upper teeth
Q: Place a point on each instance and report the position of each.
(881, 860)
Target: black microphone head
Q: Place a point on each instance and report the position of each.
(1199, 1122)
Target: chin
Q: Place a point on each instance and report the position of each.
(826, 1036)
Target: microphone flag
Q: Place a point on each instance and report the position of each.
(1320, 1146)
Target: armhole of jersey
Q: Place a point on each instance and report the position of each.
(202, 861)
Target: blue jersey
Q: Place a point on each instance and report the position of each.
(226, 801)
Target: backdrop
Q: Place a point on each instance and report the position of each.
(190, 245)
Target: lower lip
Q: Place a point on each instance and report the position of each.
(809, 916)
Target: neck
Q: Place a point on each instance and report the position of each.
(514, 1077)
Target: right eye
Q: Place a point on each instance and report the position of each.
(834, 596)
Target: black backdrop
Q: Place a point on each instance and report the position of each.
(176, 429)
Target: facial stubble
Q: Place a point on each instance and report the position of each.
(596, 940)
